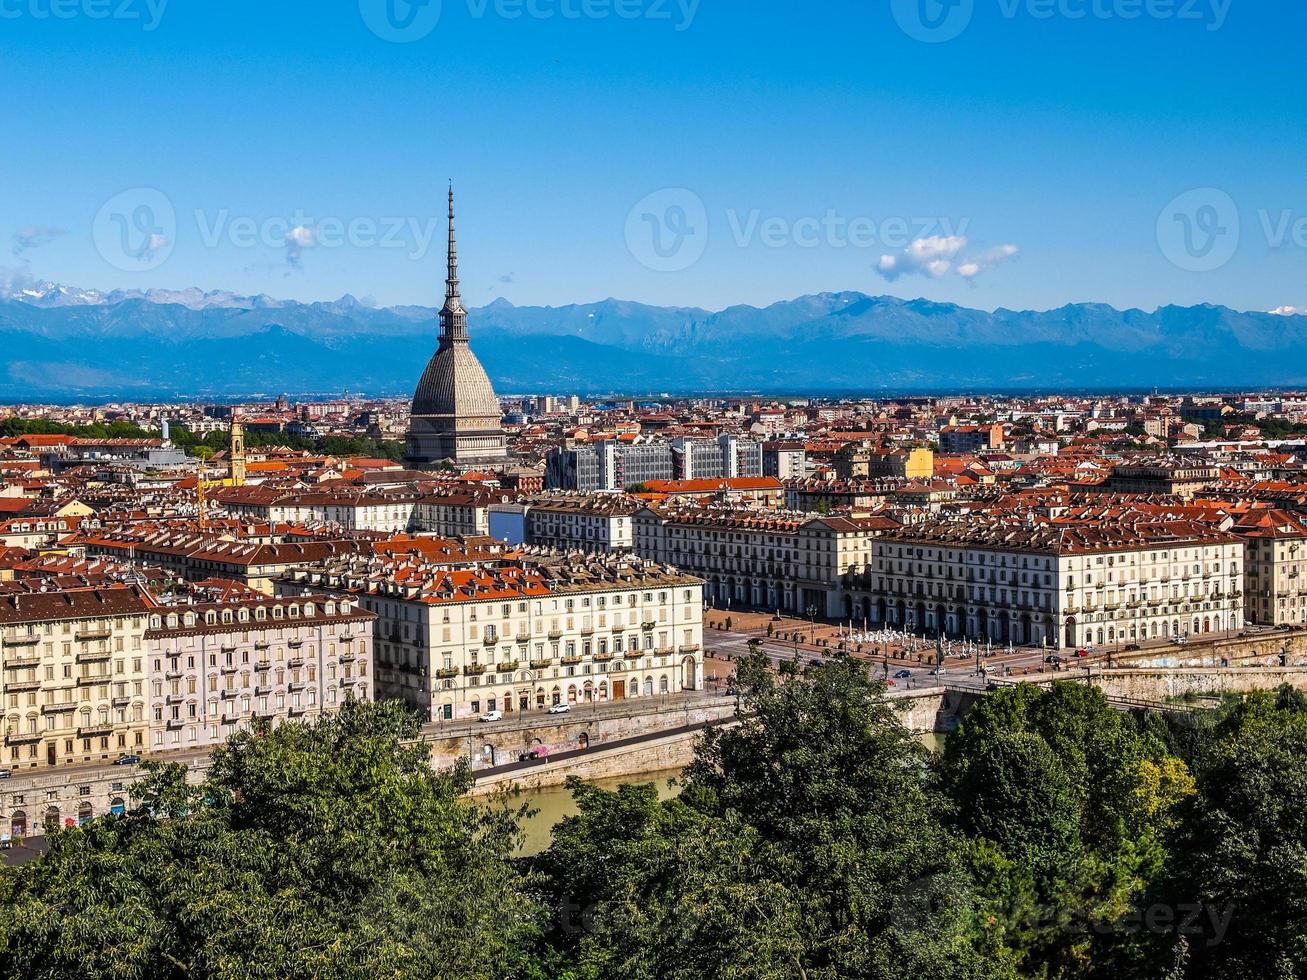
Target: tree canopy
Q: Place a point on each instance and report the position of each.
(816, 838)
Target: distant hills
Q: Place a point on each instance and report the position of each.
(58, 342)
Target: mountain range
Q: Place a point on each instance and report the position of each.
(59, 342)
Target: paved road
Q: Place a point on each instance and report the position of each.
(597, 747)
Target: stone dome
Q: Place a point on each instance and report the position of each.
(455, 385)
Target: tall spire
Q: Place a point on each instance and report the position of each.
(453, 318)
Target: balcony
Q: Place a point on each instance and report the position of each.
(93, 656)
(18, 663)
(507, 667)
(474, 670)
(263, 690)
(541, 664)
(489, 641)
(570, 661)
(555, 634)
(664, 651)
(690, 648)
(295, 663)
(263, 665)
(21, 641)
(228, 669)
(18, 687)
(91, 680)
(603, 658)
(445, 673)
(98, 731)
(294, 644)
(22, 738)
(82, 636)
(59, 708)
(174, 724)
(174, 699)
(172, 675)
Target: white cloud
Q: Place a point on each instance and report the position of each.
(1289, 311)
(973, 267)
(931, 257)
(297, 240)
(937, 256)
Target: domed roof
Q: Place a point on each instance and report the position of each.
(455, 384)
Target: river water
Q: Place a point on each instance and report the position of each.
(553, 803)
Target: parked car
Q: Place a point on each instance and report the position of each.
(939, 671)
(732, 692)
(561, 708)
(903, 674)
(531, 755)
(1132, 647)
(127, 760)
(6, 773)
(493, 716)
(1082, 653)
(1053, 659)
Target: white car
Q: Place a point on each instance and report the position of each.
(560, 709)
(938, 672)
(493, 716)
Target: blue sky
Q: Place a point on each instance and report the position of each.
(775, 149)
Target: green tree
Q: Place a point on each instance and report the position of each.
(326, 850)
(806, 843)
(1242, 850)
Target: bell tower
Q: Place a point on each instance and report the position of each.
(236, 454)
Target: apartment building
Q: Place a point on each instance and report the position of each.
(231, 659)
(73, 672)
(522, 636)
(197, 556)
(611, 465)
(456, 513)
(1013, 580)
(1162, 475)
(387, 511)
(1277, 567)
(599, 523)
(767, 560)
